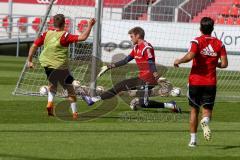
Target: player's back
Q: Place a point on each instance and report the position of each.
(54, 55)
(208, 51)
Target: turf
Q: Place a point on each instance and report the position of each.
(27, 133)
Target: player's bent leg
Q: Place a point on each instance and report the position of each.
(155, 104)
(143, 94)
(119, 87)
(66, 80)
(109, 94)
(73, 100)
(105, 95)
(51, 94)
(208, 99)
(52, 89)
(206, 116)
(194, 99)
(193, 126)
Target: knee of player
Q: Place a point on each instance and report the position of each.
(72, 98)
(52, 88)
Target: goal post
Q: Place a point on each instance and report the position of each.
(37, 35)
(45, 18)
(96, 45)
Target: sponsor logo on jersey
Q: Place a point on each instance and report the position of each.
(208, 51)
(137, 57)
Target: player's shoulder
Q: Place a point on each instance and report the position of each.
(196, 40)
(203, 38)
(147, 44)
(65, 34)
(42, 36)
(44, 33)
(218, 41)
(219, 44)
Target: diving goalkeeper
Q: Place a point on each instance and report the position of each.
(143, 53)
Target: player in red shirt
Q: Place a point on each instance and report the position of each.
(143, 53)
(54, 59)
(205, 51)
(66, 39)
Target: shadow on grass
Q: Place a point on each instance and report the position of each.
(230, 147)
(222, 147)
(8, 156)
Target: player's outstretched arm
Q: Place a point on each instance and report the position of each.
(85, 34)
(31, 52)
(121, 62)
(188, 57)
(114, 65)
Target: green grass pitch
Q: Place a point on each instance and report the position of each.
(27, 133)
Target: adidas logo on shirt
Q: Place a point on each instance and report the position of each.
(208, 51)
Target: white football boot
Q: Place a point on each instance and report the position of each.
(192, 144)
(206, 130)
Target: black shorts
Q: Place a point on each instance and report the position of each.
(56, 76)
(202, 96)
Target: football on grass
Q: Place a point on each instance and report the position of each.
(99, 90)
(76, 84)
(43, 90)
(175, 92)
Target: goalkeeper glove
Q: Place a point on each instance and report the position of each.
(105, 69)
(111, 65)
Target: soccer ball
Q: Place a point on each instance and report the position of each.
(76, 84)
(175, 92)
(99, 90)
(82, 90)
(43, 90)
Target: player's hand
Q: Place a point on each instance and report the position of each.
(162, 79)
(111, 65)
(30, 64)
(102, 71)
(176, 63)
(91, 22)
(156, 75)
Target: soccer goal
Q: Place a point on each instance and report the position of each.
(169, 26)
(77, 14)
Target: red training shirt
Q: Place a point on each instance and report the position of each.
(66, 39)
(207, 52)
(142, 53)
